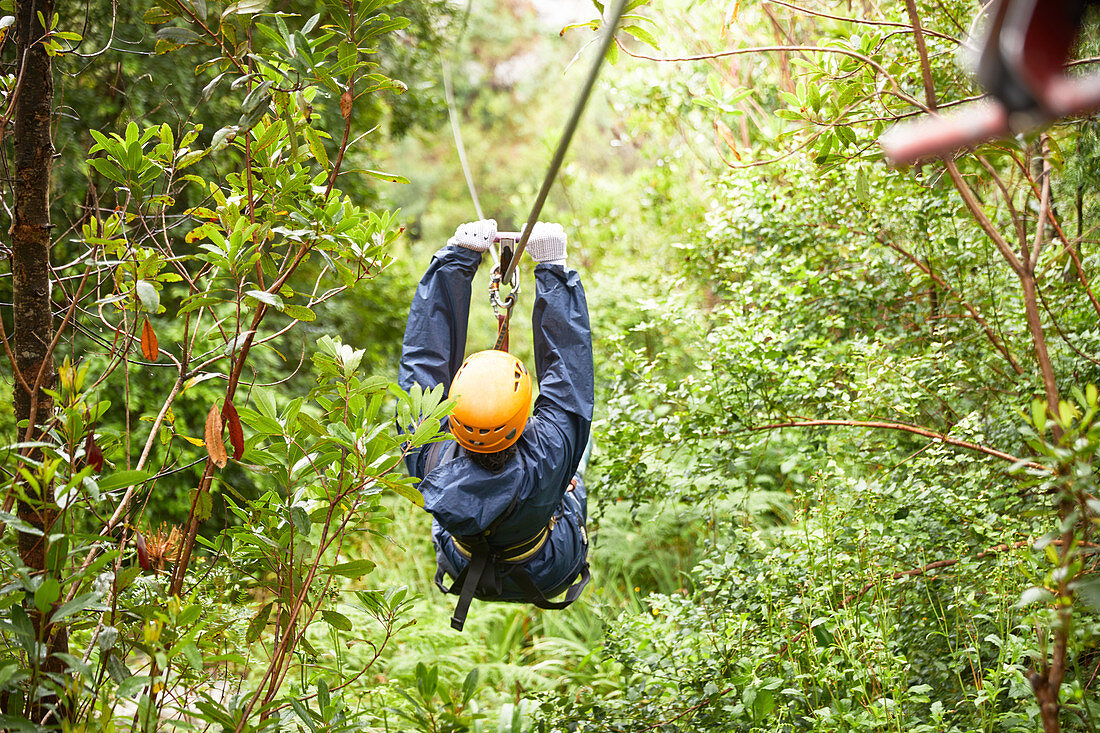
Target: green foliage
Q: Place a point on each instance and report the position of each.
(130, 619)
(846, 338)
(830, 489)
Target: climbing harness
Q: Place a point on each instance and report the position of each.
(489, 566)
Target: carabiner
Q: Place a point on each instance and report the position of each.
(494, 291)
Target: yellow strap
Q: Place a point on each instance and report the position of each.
(539, 540)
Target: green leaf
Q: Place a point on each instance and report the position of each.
(1087, 590)
(208, 90)
(189, 158)
(763, 705)
(299, 312)
(222, 137)
(591, 25)
(47, 593)
(19, 723)
(148, 295)
(324, 697)
(204, 504)
(108, 169)
(122, 479)
(156, 16)
(76, 605)
(193, 656)
(300, 518)
(132, 685)
(316, 147)
(336, 620)
(408, 492)
(341, 434)
(469, 687)
(189, 615)
(19, 525)
(1034, 595)
(265, 402)
(303, 714)
(267, 298)
(863, 192)
(245, 7)
(425, 431)
(381, 175)
(270, 134)
(641, 34)
(8, 670)
(257, 98)
(178, 36)
(353, 568)
(612, 54)
(261, 423)
(257, 624)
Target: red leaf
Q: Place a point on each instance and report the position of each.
(236, 434)
(149, 346)
(142, 552)
(215, 446)
(92, 453)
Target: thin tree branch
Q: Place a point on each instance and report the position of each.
(858, 21)
(895, 87)
(922, 53)
(1044, 206)
(878, 425)
(975, 208)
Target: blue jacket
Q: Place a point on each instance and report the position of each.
(465, 499)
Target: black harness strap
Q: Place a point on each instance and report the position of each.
(535, 596)
(479, 574)
(470, 578)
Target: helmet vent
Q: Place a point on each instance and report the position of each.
(511, 434)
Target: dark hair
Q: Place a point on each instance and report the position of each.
(492, 462)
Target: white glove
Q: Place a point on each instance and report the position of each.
(475, 235)
(547, 243)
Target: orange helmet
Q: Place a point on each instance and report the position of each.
(492, 394)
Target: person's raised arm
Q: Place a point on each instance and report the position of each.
(435, 333)
(563, 343)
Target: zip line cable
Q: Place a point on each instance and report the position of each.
(606, 38)
(452, 113)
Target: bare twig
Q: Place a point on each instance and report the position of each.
(878, 425)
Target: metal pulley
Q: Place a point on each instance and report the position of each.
(507, 243)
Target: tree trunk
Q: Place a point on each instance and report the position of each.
(33, 320)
